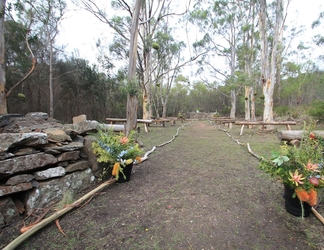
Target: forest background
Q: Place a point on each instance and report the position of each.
(218, 42)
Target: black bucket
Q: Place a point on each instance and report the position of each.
(127, 170)
(293, 205)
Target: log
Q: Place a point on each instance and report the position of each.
(294, 143)
(288, 135)
(265, 123)
(115, 120)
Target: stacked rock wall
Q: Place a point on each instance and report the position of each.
(41, 160)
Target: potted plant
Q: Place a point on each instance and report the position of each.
(301, 171)
(118, 151)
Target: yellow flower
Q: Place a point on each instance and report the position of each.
(296, 178)
(129, 161)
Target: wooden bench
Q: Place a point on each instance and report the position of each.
(227, 121)
(162, 121)
(124, 120)
(242, 123)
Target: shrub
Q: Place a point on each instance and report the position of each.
(317, 110)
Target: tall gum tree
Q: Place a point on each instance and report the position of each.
(269, 60)
(221, 22)
(151, 14)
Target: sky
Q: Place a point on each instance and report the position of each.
(80, 29)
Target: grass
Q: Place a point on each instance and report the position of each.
(203, 190)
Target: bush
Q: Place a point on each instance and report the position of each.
(317, 110)
(282, 110)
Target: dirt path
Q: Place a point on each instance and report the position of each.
(202, 191)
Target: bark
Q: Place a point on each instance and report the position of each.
(253, 118)
(289, 135)
(132, 101)
(247, 103)
(233, 104)
(3, 99)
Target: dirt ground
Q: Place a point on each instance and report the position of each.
(201, 191)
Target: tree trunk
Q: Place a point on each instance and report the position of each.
(132, 102)
(233, 104)
(247, 103)
(252, 97)
(3, 99)
(51, 94)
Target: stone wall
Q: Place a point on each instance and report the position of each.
(41, 159)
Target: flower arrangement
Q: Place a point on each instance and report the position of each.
(300, 168)
(116, 149)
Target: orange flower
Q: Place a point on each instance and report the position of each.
(312, 199)
(302, 194)
(115, 169)
(312, 136)
(123, 140)
(138, 159)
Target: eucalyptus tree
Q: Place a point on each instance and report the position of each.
(5, 92)
(270, 52)
(151, 14)
(46, 16)
(228, 28)
(3, 99)
(165, 66)
(318, 39)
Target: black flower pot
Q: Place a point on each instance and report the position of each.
(293, 205)
(127, 170)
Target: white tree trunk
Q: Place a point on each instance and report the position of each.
(252, 97)
(233, 104)
(247, 103)
(132, 102)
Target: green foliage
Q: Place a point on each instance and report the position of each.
(21, 96)
(155, 46)
(111, 147)
(281, 110)
(317, 110)
(116, 148)
(298, 167)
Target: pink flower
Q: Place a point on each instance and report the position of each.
(124, 140)
(312, 167)
(296, 178)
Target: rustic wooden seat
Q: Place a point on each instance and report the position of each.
(242, 123)
(123, 120)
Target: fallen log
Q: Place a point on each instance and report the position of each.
(289, 135)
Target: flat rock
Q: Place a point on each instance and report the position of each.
(68, 156)
(22, 178)
(49, 173)
(10, 140)
(57, 134)
(24, 163)
(77, 166)
(72, 146)
(52, 191)
(5, 190)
